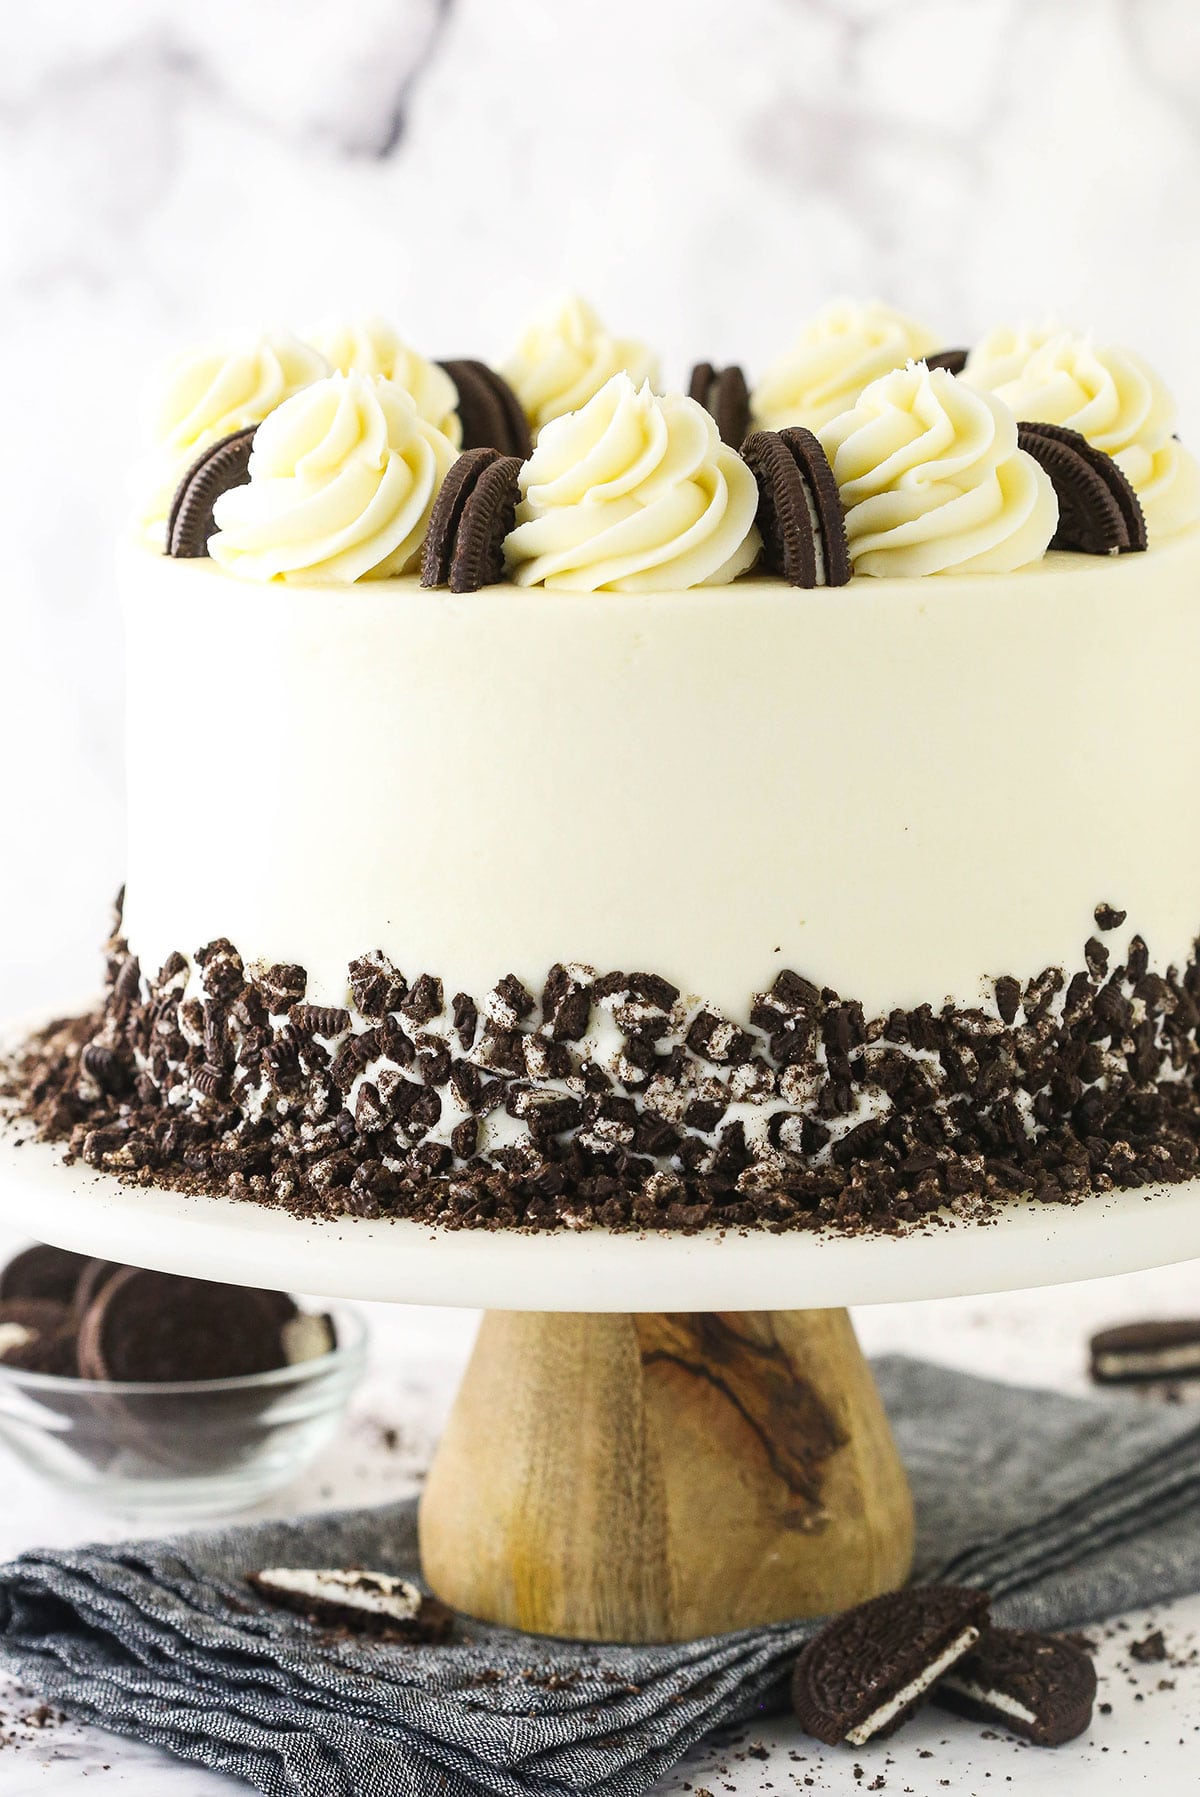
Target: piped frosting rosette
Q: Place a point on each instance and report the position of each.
(634, 493)
(566, 356)
(216, 389)
(841, 351)
(1110, 395)
(342, 481)
(373, 346)
(931, 479)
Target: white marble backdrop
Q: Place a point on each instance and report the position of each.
(707, 174)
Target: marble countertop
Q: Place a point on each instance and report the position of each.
(1147, 1741)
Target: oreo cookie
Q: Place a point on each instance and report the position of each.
(724, 394)
(94, 1277)
(159, 1328)
(952, 360)
(37, 1335)
(473, 513)
(799, 512)
(42, 1272)
(1098, 510)
(374, 1603)
(221, 466)
(867, 1671)
(489, 411)
(1151, 1350)
(1037, 1686)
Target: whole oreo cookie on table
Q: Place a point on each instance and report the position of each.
(1133, 1352)
(870, 1668)
(42, 1272)
(489, 411)
(1099, 512)
(799, 511)
(221, 466)
(1037, 1686)
(474, 511)
(723, 393)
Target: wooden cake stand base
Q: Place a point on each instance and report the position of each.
(659, 1478)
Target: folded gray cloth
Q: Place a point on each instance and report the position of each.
(1065, 1509)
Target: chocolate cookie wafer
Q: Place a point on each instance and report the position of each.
(489, 411)
(157, 1327)
(1098, 510)
(42, 1272)
(474, 511)
(221, 466)
(799, 512)
(952, 360)
(1036, 1686)
(37, 1335)
(373, 1603)
(869, 1669)
(723, 393)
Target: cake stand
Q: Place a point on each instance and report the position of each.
(657, 1437)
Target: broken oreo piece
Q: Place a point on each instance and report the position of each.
(489, 411)
(725, 396)
(374, 1603)
(1037, 1686)
(869, 1669)
(221, 466)
(1151, 1350)
(799, 511)
(42, 1272)
(474, 511)
(952, 360)
(160, 1328)
(1098, 510)
(37, 1336)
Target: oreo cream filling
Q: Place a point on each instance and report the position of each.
(375, 1593)
(915, 1688)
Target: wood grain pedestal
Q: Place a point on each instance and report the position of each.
(662, 1477)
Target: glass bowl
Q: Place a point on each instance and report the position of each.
(193, 1449)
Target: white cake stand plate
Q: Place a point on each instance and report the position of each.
(590, 1270)
(658, 1437)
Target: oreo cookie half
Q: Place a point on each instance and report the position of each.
(489, 411)
(1036, 1686)
(1098, 510)
(37, 1336)
(1152, 1350)
(42, 1272)
(157, 1327)
(869, 1669)
(473, 513)
(799, 512)
(952, 360)
(374, 1603)
(723, 393)
(221, 466)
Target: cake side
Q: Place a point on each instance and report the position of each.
(903, 790)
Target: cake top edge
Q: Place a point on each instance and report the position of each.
(346, 455)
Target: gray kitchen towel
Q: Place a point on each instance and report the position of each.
(1066, 1509)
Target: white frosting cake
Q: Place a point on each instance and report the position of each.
(636, 883)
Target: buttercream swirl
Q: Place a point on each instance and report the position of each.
(373, 346)
(838, 353)
(218, 388)
(1113, 397)
(342, 481)
(566, 356)
(931, 479)
(633, 493)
